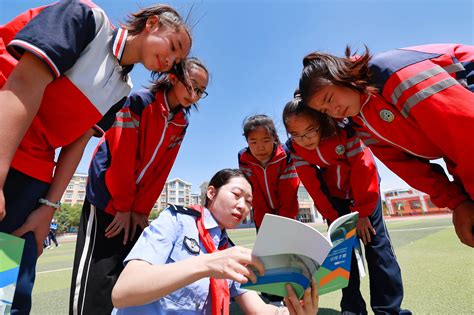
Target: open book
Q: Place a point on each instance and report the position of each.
(294, 252)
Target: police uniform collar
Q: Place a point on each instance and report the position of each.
(209, 221)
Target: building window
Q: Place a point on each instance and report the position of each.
(181, 193)
(172, 185)
(181, 200)
(172, 200)
(415, 204)
(70, 187)
(173, 192)
(181, 185)
(68, 196)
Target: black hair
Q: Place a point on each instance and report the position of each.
(222, 177)
(167, 15)
(322, 69)
(253, 122)
(296, 107)
(161, 81)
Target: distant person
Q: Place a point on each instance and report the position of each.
(126, 176)
(340, 175)
(411, 106)
(63, 73)
(272, 173)
(184, 262)
(53, 228)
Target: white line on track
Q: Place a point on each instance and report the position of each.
(54, 270)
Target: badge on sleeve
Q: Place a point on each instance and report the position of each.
(387, 115)
(192, 245)
(340, 149)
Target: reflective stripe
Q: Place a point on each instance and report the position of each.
(363, 134)
(338, 171)
(123, 124)
(354, 152)
(370, 141)
(321, 156)
(128, 115)
(301, 163)
(455, 67)
(291, 175)
(425, 93)
(414, 80)
(350, 144)
(290, 168)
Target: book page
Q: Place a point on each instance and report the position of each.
(338, 230)
(280, 235)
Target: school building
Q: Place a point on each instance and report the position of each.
(403, 202)
(175, 191)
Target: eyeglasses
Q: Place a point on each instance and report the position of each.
(201, 93)
(308, 135)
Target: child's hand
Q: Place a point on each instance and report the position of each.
(310, 303)
(121, 222)
(37, 222)
(233, 263)
(364, 229)
(140, 220)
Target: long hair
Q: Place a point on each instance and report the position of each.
(322, 69)
(135, 23)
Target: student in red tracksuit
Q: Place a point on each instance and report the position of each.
(340, 174)
(126, 177)
(273, 175)
(410, 105)
(64, 72)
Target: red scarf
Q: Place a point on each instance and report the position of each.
(219, 287)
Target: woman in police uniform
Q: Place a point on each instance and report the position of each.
(182, 261)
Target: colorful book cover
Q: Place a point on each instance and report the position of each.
(11, 249)
(294, 252)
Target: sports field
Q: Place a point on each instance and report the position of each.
(438, 272)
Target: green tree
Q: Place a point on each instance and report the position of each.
(68, 217)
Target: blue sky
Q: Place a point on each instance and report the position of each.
(254, 50)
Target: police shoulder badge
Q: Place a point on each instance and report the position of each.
(191, 245)
(387, 115)
(340, 149)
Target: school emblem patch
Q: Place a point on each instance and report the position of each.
(340, 149)
(191, 245)
(387, 115)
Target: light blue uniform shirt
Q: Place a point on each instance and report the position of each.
(163, 242)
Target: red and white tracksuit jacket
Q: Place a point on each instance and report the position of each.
(424, 111)
(82, 50)
(274, 187)
(341, 167)
(133, 159)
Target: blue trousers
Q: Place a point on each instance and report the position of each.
(386, 288)
(21, 198)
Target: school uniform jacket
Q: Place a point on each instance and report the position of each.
(82, 49)
(342, 167)
(133, 159)
(423, 111)
(274, 187)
